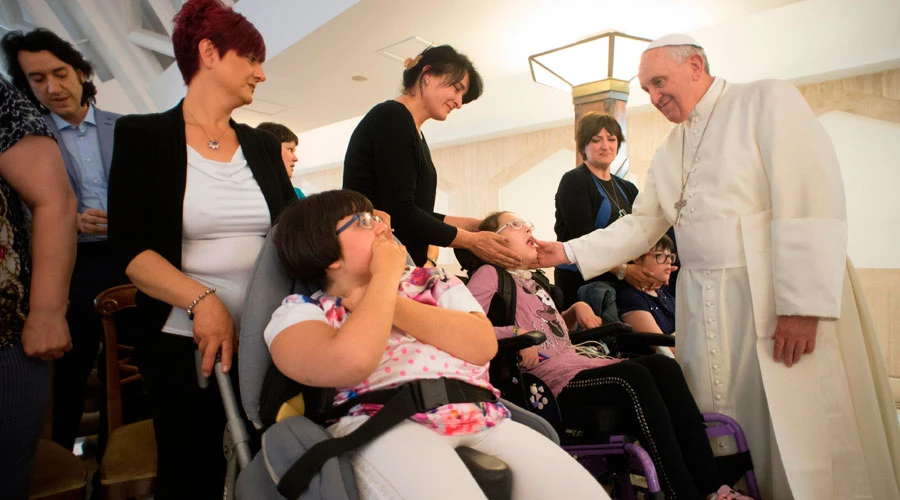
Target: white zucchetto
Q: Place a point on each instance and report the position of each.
(674, 39)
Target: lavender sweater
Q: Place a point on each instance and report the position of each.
(535, 312)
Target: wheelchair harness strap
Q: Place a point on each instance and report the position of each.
(399, 404)
(502, 311)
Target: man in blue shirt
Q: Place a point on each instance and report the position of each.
(56, 77)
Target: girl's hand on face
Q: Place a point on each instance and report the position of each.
(354, 297)
(388, 257)
(585, 316)
(528, 357)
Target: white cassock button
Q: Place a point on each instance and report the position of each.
(718, 397)
(709, 320)
(718, 382)
(708, 304)
(714, 351)
(711, 337)
(696, 131)
(708, 287)
(715, 367)
(692, 210)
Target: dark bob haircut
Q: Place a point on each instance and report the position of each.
(283, 133)
(664, 243)
(306, 235)
(36, 41)
(492, 221)
(591, 124)
(226, 29)
(444, 60)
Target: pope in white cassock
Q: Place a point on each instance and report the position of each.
(772, 327)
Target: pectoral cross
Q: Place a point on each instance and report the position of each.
(679, 206)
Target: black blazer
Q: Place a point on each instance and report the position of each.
(146, 191)
(577, 202)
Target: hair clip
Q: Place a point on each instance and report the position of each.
(410, 63)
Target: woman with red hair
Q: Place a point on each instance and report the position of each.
(192, 195)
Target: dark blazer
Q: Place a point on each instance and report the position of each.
(146, 191)
(577, 202)
(106, 124)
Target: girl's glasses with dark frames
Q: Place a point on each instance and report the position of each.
(365, 219)
(665, 258)
(517, 224)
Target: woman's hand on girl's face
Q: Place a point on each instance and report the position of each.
(388, 256)
(585, 316)
(642, 279)
(492, 247)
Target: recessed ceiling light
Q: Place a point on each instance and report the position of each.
(408, 47)
(359, 78)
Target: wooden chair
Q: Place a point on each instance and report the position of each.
(56, 474)
(128, 466)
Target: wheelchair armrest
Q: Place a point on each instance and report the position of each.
(638, 339)
(521, 341)
(608, 330)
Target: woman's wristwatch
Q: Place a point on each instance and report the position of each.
(621, 272)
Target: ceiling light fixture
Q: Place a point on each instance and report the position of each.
(596, 70)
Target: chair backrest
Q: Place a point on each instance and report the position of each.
(269, 285)
(120, 365)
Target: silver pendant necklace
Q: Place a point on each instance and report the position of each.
(681, 203)
(211, 143)
(622, 212)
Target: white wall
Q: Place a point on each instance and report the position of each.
(531, 195)
(869, 156)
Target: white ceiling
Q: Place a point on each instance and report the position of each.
(312, 78)
(316, 46)
(745, 39)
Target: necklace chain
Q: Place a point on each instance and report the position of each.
(681, 203)
(211, 143)
(614, 197)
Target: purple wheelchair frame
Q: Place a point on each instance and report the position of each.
(639, 459)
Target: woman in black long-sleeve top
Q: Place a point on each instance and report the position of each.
(192, 195)
(389, 161)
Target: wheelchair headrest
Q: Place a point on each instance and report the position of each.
(467, 260)
(269, 285)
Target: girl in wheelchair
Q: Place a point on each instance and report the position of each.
(377, 323)
(651, 391)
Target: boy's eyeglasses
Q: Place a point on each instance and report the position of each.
(665, 258)
(517, 224)
(365, 220)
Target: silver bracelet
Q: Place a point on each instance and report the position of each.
(190, 308)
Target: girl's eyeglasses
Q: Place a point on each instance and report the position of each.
(365, 220)
(517, 224)
(665, 258)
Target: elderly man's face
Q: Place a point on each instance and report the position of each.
(670, 83)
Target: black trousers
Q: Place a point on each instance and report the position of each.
(24, 391)
(659, 410)
(93, 273)
(188, 421)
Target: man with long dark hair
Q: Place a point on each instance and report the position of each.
(57, 78)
